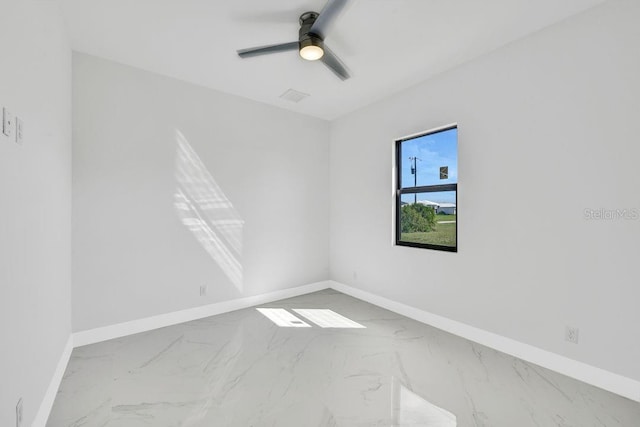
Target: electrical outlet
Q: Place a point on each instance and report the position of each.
(7, 122)
(19, 413)
(19, 130)
(572, 334)
(203, 290)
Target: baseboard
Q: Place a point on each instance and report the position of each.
(118, 330)
(592, 375)
(50, 395)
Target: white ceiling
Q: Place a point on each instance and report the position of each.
(388, 45)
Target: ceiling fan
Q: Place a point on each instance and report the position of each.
(310, 44)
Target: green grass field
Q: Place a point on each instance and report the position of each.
(442, 217)
(444, 234)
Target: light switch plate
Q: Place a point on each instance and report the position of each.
(19, 130)
(7, 122)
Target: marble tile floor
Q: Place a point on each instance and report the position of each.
(241, 369)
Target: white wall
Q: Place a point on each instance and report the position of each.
(548, 126)
(35, 204)
(133, 255)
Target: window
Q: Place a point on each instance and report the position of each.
(427, 190)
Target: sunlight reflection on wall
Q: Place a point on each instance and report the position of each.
(409, 409)
(207, 212)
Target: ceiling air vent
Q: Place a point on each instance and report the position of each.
(293, 95)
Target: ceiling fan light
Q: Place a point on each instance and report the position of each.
(311, 53)
(311, 49)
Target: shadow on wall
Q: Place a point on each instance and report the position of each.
(207, 212)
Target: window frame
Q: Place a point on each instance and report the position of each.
(399, 190)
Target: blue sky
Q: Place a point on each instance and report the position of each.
(435, 150)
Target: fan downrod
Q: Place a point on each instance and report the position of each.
(307, 20)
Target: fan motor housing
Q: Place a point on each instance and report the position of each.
(310, 40)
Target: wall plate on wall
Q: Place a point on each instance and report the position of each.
(7, 122)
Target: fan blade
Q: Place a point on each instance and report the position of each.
(333, 62)
(264, 50)
(326, 17)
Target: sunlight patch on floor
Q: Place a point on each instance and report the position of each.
(326, 318)
(283, 318)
